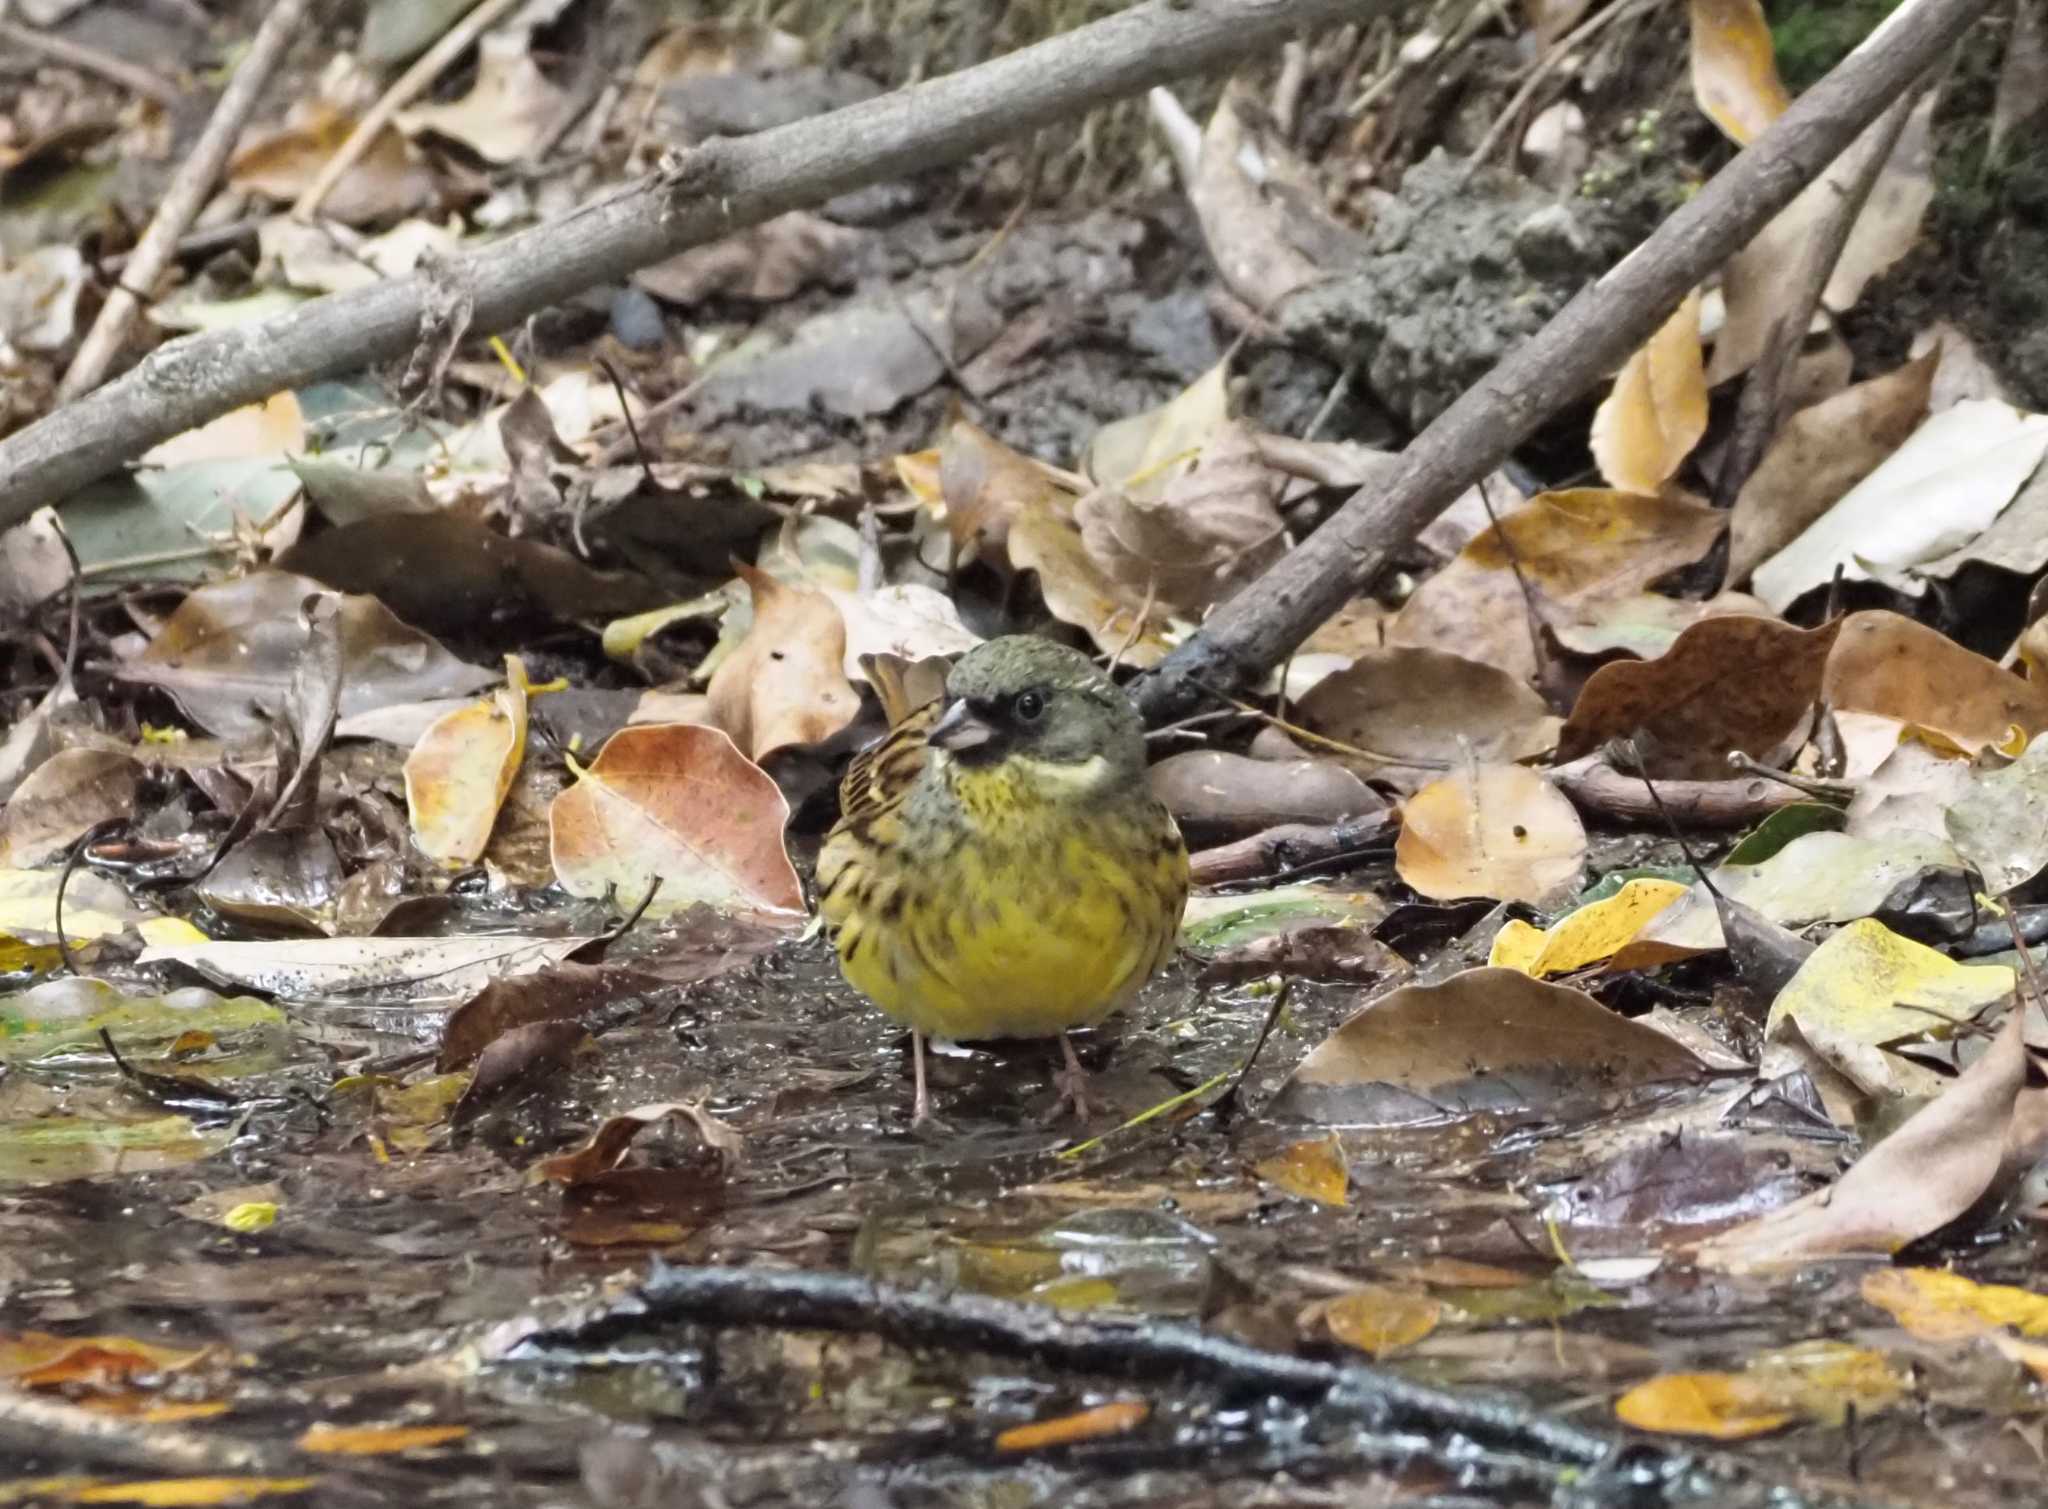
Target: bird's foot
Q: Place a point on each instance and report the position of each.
(1074, 1084)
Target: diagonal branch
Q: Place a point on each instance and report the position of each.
(1589, 338)
(711, 190)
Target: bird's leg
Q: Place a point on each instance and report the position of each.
(1072, 1083)
(921, 1105)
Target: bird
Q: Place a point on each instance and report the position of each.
(1000, 869)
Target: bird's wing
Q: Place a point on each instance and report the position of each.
(880, 774)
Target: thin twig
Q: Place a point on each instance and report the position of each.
(1539, 651)
(137, 80)
(1557, 54)
(410, 85)
(188, 190)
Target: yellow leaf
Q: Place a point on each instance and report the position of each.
(458, 774)
(375, 1440)
(1379, 1318)
(251, 1215)
(165, 932)
(1112, 1419)
(1502, 831)
(1719, 1406)
(1315, 1169)
(1866, 986)
(1591, 935)
(176, 1493)
(1657, 411)
(1940, 1306)
(1734, 74)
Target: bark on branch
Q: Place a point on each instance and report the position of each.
(1589, 338)
(715, 188)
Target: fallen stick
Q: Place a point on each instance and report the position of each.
(1587, 340)
(710, 191)
(1600, 789)
(137, 80)
(188, 190)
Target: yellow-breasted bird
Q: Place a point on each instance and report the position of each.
(999, 868)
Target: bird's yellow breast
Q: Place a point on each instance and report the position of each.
(1005, 915)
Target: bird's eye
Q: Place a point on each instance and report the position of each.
(1029, 706)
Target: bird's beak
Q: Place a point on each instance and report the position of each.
(958, 728)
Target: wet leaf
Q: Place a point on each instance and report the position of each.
(1315, 1169)
(63, 799)
(1483, 1038)
(565, 992)
(72, 1013)
(1113, 1419)
(191, 1493)
(1940, 489)
(56, 1149)
(1657, 410)
(1405, 713)
(408, 968)
(785, 686)
(1590, 935)
(458, 775)
(1818, 455)
(1734, 70)
(1501, 830)
(678, 803)
(1887, 664)
(1937, 1305)
(93, 907)
(375, 1440)
(1382, 1318)
(35, 1359)
(229, 652)
(1999, 821)
(1727, 685)
(1574, 548)
(1925, 1174)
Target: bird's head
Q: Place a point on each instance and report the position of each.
(1044, 707)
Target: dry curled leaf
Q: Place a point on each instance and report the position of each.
(785, 685)
(1657, 410)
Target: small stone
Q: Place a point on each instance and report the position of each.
(1551, 242)
(636, 320)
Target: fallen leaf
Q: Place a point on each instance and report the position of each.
(375, 1440)
(1889, 223)
(1590, 935)
(190, 1493)
(1113, 1419)
(457, 776)
(982, 485)
(785, 686)
(1404, 713)
(1997, 821)
(390, 180)
(1911, 790)
(679, 803)
(1657, 411)
(1730, 684)
(1144, 454)
(398, 968)
(229, 652)
(273, 427)
(1717, 1406)
(1483, 1039)
(508, 109)
(63, 799)
(1887, 664)
(1076, 590)
(1500, 830)
(766, 263)
(1818, 455)
(1734, 70)
(1315, 1169)
(1207, 532)
(1573, 548)
(1937, 1165)
(1381, 1318)
(1936, 1305)
(36, 1359)
(1940, 489)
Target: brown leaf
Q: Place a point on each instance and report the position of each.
(609, 1144)
(1884, 663)
(1574, 548)
(1315, 1169)
(1212, 529)
(1485, 1038)
(767, 263)
(1407, 713)
(565, 992)
(784, 686)
(1925, 1174)
(1726, 684)
(1381, 1318)
(1113, 1419)
(1499, 830)
(508, 109)
(679, 803)
(459, 772)
(61, 800)
(389, 181)
(1657, 410)
(1818, 455)
(229, 652)
(1077, 592)
(983, 485)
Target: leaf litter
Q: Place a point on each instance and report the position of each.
(1463, 1070)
